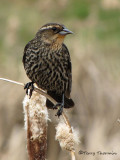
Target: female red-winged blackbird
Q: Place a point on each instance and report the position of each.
(47, 63)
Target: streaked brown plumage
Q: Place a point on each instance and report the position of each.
(47, 63)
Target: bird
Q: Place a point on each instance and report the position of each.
(47, 63)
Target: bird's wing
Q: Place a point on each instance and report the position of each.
(24, 53)
(69, 71)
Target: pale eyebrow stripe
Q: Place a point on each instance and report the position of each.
(47, 27)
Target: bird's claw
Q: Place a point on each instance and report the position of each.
(56, 106)
(29, 86)
(60, 110)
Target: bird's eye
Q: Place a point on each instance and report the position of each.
(54, 28)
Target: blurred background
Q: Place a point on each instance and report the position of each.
(95, 54)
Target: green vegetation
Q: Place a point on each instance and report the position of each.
(109, 24)
(78, 9)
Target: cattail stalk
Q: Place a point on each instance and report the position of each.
(35, 142)
(36, 117)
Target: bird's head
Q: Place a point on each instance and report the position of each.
(53, 33)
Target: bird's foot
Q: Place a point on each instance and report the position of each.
(29, 86)
(60, 110)
(56, 106)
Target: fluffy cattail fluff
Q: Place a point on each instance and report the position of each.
(66, 137)
(36, 117)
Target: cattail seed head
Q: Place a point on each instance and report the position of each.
(66, 137)
(36, 117)
(38, 114)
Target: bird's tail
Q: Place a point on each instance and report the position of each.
(68, 103)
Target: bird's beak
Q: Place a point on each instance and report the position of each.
(65, 31)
